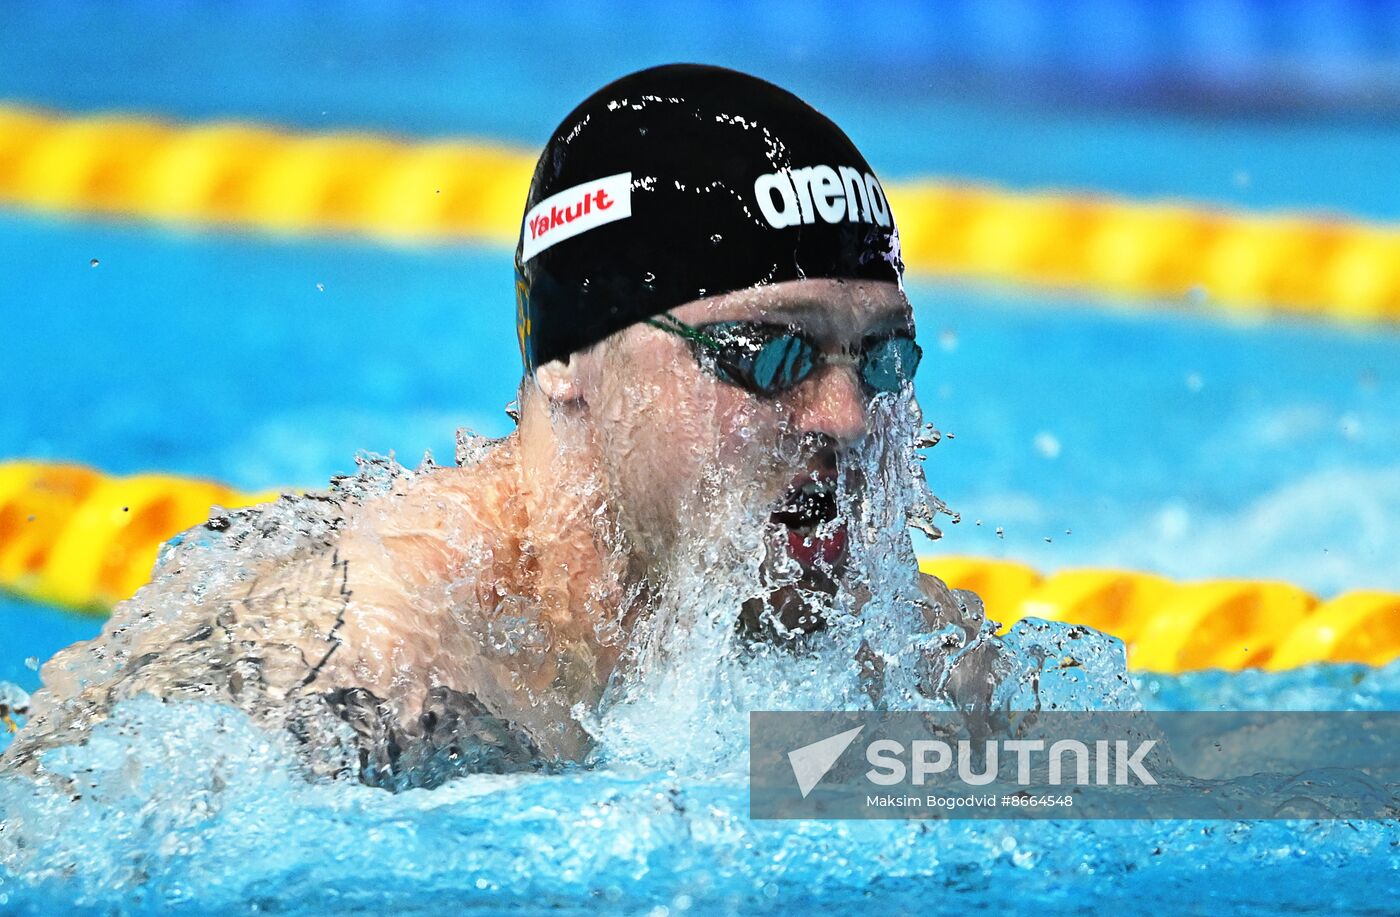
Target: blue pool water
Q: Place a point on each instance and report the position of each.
(1175, 440)
(186, 824)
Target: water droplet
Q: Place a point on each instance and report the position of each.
(1001, 532)
(1047, 444)
(716, 239)
(948, 340)
(32, 663)
(928, 437)
(1194, 382)
(1173, 522)
(321, 287)
(94, 263)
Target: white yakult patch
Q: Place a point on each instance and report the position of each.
(576, 210)
(792, 196)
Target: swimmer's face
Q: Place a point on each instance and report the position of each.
(674, 439)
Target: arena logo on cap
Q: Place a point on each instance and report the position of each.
(576, 210)
(792, 196)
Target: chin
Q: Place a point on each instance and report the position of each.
(789, 613)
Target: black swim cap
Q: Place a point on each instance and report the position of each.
(682, 182)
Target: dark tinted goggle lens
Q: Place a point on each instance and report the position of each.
(761, 359)
(887, 363)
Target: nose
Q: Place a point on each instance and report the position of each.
(832, 403)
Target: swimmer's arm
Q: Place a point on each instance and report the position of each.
(296, 618)
(972, 680)
(942, 607)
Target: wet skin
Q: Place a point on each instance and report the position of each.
(517, 580)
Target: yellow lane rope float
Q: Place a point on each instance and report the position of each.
(236, 174)
(72, 536)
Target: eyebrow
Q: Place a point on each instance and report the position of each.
(808, 309)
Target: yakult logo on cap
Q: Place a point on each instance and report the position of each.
(576, 210)
(793, 196)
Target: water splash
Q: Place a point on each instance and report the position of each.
(188, 824)
(190, 802)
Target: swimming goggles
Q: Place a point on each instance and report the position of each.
(770, 359)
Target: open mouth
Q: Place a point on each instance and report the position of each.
(816, 535)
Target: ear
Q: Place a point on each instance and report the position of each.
(558, 380)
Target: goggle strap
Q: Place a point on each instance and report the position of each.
(667, 322)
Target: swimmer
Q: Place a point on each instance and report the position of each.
(712, 325)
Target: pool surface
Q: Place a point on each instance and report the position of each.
(1165, 436)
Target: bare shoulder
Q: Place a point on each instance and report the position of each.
(277, 606)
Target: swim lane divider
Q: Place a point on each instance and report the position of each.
(77, 538)
(253, 176)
